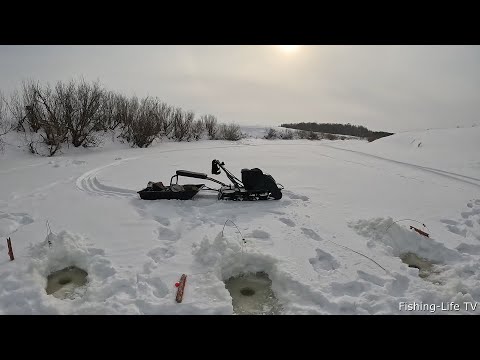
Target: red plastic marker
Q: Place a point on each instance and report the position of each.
(181, 287)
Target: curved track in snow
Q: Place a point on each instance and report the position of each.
(89, 183)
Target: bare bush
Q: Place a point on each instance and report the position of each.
(331, 137)
(229, 132)
(271, 134)
(6, 123)
(110, 111)
(182, 123)
(45, 113)
(312, 135)
(142, 121)
(300, 134)
(287, 135)
(211, 125)
(81, 104)
(167, 120)
(197, 129)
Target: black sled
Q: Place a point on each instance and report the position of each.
(255, 185)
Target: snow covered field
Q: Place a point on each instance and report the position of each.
(340, 201)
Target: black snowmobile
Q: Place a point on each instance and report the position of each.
(255, 185)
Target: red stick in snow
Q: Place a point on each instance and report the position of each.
(181, 287)
(10, 250)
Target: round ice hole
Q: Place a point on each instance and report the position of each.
(252, 294)
(247, 291)
(64, 281)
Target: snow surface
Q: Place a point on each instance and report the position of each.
(330, 245)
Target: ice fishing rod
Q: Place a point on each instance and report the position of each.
(417, 230)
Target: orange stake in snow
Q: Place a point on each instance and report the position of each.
(181, 287)
(419, 231)
(10, 251)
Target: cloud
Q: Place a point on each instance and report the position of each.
(390, 88)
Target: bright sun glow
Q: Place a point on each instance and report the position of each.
(289, 48)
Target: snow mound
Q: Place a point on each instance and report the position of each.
(398, 240)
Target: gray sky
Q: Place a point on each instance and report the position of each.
(391, 88)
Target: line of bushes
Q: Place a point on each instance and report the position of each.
(79, 113)
(288, 134)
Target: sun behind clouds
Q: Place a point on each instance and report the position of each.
(289, 48)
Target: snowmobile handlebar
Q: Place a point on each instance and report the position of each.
(216, 165)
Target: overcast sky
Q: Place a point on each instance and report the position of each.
(391, 88)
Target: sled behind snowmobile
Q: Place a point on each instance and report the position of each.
(255, 185)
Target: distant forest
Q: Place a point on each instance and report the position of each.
(342, 129)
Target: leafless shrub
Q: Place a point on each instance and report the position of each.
(211, 125)
(142, 121)
(271, 134)
(197, 129)
(287, 135)
(229, 132)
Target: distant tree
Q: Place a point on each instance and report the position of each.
(343, 129)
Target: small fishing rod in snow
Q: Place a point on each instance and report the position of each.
(244, 242)
(417, 230)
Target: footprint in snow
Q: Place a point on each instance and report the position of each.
(469, 249)
(287, 222)
(311, 234)
(457, 230)
(11, 222)
(351, 288)
(371, 278)
(162, 220)
(260, 234)
(323, 261)
(297, 196)
(167, 234)
(160, 253)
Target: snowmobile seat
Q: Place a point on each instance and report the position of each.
(253, 179)
(191, 174)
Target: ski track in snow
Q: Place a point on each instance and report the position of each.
(447, 174)
(89, 183)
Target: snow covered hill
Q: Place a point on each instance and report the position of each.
(338, 242)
